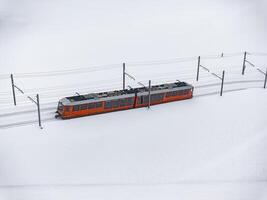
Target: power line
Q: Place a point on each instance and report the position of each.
(257, 53)
(62, 72)
(112, 66)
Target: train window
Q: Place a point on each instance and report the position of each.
(184, 92)
(76, 108)
(67, 108)
(168, 94)
(139, 100)
(91, 105)
(122, 102)
(154, 97)
(145, 99)
(157, 97)
(60, 106)
(129, 101)
(108, 104)
(115, 103)
(173, 93)
(83, 107)
(98, 104)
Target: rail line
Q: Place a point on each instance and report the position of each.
(47, 119)
(25, 112)
(24, 123)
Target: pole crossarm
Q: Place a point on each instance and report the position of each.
(19, 89)
(139, 83)
(133, 78)
(32, 100)
(261, 71)
(36, 102)
(213, 74)
(250, 63)
(205, 68)
(130, 76)
(216, 76)
(257, 68)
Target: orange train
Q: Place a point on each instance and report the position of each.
(96, 103)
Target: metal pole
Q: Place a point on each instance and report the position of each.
(149, 93)
(198, 65)
(265, 79)
(123, 76)
(38, 107)
(244, 63)
(222, 83)
(13, 89)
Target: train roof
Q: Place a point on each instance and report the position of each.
(92, 97)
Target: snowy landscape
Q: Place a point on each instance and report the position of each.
(207, 147)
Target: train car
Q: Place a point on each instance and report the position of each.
(96, 103)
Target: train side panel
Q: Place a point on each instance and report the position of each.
(99, 107)
(164, 97)
(137, 101)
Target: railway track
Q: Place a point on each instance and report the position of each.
(48, 112)
(25, 112)
(27, 122)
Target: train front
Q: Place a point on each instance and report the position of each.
(60, 109)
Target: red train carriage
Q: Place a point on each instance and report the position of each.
(95, 103)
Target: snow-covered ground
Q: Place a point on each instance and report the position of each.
(201, 149)
(209, 147)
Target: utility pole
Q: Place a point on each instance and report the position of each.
(198, 65)
(149, 93)
(13, 89)
(265, 79)
(38, 107)
(244, 63)
(123, 76)
(222, 83)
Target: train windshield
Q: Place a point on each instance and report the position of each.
(60, 107)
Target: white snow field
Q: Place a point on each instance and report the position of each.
(205, 148)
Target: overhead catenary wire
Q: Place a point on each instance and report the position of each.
(161, 75)
(62, 72)
(181, 60)
(179, 72)
(257, 53)
(255, 67)
(184, 73)
(112, 66)
(76, 87)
